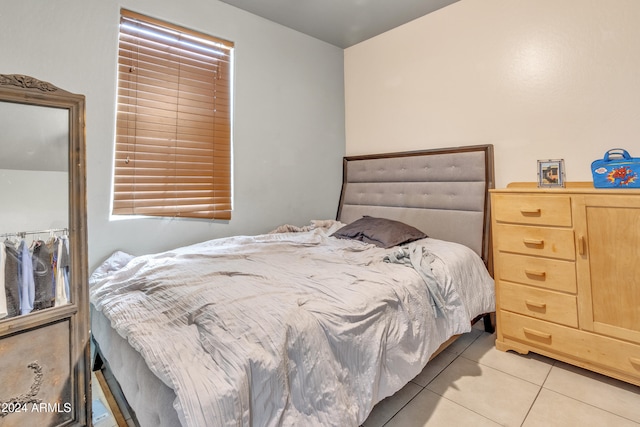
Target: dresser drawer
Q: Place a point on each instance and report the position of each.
(532, 209)
(542, 272)
(604, 352)
(539, 303)
(539, 241)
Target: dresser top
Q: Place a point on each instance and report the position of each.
(570, 187)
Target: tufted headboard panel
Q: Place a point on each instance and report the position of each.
(443, 192)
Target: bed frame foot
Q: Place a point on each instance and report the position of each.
(488, 323)
(97, 363)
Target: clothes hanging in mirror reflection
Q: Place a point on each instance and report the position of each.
(33, 276)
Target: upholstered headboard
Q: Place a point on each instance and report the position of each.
(443, 192)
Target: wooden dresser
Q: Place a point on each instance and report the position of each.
(567, 271)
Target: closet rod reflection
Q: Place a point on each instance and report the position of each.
(24, 233)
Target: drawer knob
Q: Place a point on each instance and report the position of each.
(534, 242)
(537, 273)
(528, 211)
(537, 334)
(538, 305)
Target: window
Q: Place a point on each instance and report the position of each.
(173, 131)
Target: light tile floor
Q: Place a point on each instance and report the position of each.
(473, 384)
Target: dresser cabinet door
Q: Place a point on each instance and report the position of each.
(613, 256)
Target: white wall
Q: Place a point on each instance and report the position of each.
(288, 105)
(33, 201)
(539, 79)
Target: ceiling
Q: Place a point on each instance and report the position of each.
(342, 23)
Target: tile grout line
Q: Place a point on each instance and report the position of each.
(537, 395)
(578, 400)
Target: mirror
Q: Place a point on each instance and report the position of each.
(44, 347)
(34, 169)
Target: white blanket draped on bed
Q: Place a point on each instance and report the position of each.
(287, 329)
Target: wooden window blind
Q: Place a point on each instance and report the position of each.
(173, 131)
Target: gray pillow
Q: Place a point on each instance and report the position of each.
(382, 232)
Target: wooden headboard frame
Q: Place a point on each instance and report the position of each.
(443, 192)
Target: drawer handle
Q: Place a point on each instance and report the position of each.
(634, 361)
(535, 273)
(537, 334)
(540, 305)
(535, 242)
(526, 211)
(582, 245)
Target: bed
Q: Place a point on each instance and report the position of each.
(306, 325)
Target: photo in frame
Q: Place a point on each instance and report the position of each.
(551, 173)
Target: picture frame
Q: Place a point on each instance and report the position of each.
(551, 173)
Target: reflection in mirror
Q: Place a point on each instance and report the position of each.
(34, 183)
(34, 166)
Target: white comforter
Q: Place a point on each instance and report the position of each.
(286, 329)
